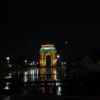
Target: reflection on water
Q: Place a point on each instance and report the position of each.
(30, 75)
(7, 86)
(27, 81)
(51, 89)
(8, 76)
(59, 90)
(25, 76)
(7, 98)
(58, 83)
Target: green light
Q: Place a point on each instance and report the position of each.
(48, 50)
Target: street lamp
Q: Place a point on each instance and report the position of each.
(58, 56)
(25, 61)
(8, 58)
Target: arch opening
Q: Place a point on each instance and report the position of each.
(48, 61)
(48, 65)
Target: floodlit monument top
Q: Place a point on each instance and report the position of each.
(48, 45)
(47, 48)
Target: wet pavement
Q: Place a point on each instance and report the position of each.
(32, 97)
(26, 86)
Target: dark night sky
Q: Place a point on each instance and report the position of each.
(23, 33)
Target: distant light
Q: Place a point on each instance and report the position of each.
(58, 56)
(25, 61)
(65, 63)
(66, 42)
(8, 58)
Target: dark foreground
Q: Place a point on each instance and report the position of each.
(46, 97)
(79, 84)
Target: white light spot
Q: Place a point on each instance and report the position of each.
(25, 61)
(59, 91)
(58, 56)
(25, 79)
(7, 86)
(25, 76)
(8, 58)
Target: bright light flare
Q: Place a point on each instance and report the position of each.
(8, 58)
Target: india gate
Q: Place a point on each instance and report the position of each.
(48, 62)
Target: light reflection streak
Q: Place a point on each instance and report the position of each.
(7, 86)
(59, 90)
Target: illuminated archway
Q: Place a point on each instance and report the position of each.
(48, 50)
